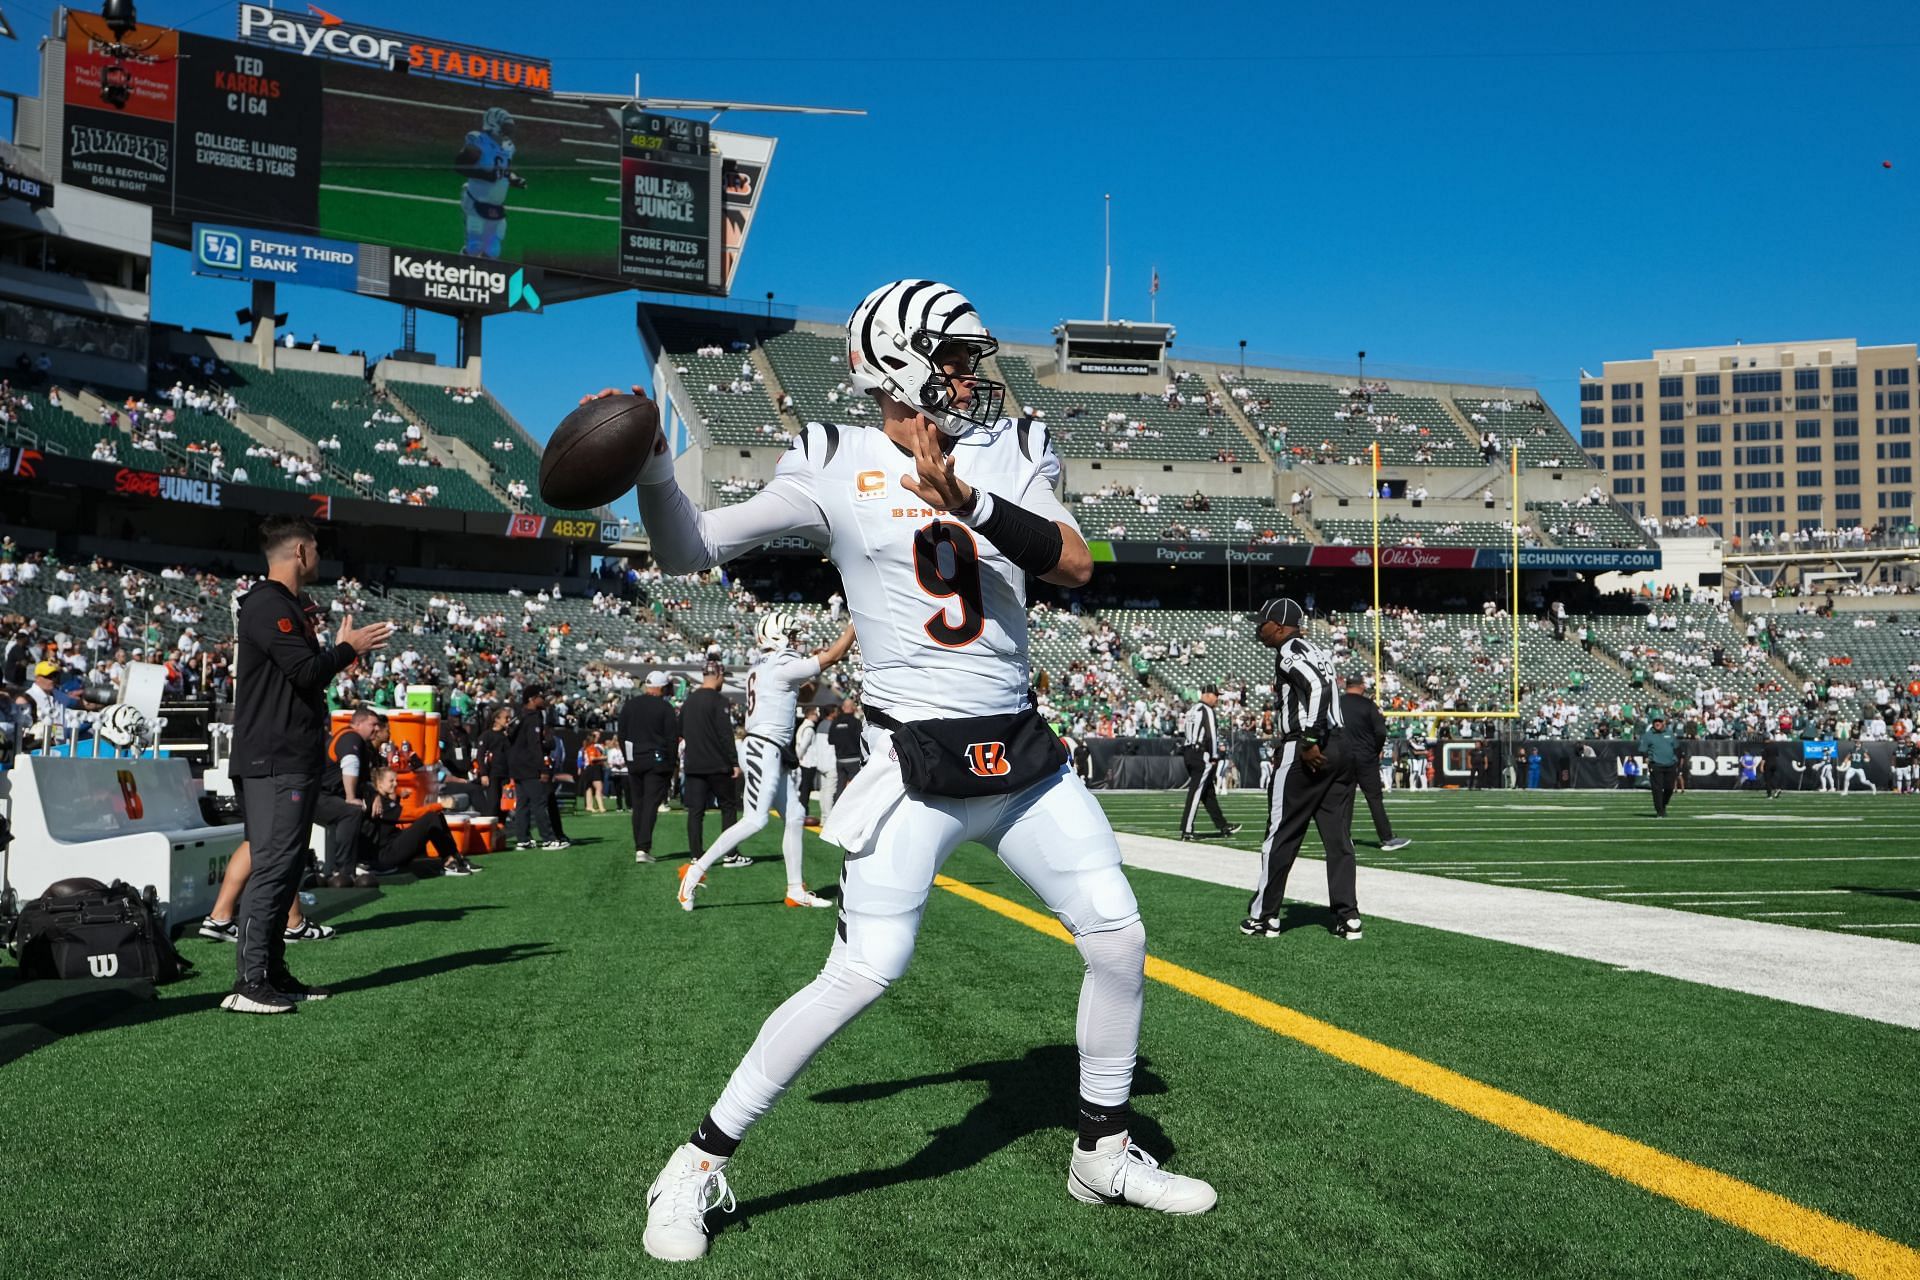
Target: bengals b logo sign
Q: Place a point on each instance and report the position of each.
(130, 793)
(988, 759)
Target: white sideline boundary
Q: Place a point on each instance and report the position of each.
(1873, 978)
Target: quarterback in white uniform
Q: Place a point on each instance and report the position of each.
(774, 688)
(486, 162)
(934, 520)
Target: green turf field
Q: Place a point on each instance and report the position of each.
(1847, 863)
(510, 1057)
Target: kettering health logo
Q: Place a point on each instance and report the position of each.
(220, 250)
(466, 283)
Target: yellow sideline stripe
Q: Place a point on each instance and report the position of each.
(1836, 1245)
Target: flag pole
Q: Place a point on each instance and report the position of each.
(1106, 292)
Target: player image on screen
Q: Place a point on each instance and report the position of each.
(486, 162)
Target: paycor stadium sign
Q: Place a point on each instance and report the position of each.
(320, 34)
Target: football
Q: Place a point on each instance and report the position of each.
(596, 453)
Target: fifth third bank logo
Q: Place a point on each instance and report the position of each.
(104, 966)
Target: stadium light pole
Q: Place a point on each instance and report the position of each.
(1243, 359)
(1363, 369)
(769, 306)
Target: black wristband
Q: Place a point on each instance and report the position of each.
(1031, 541)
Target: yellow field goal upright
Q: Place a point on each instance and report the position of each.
(1512, 712)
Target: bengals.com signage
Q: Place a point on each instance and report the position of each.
(319, 34)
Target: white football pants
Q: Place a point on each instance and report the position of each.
(1054, 837)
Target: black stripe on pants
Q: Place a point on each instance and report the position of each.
(698, 790)
(1298, 796)
(1368, 781)
(1200, 790)
(649, 788)
(278, 811)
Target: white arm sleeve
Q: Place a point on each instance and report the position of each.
(1041, 496)
(687, 540)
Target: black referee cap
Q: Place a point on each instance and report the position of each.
(1287, 613)
(1210, 688)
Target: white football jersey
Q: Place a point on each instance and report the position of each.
(940, 614)
(773, 692)
(495, 155)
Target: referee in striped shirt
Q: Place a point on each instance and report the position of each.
(1312, 776)
(1201, 747)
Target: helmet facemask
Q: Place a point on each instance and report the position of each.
(938, 394)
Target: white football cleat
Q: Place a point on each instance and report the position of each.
(678, 1201)
(801, 897)
(1118, 1172)
(684, 894)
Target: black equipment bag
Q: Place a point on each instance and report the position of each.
(94, 931)
(976, 755)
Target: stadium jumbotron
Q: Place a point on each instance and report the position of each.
(1030, 629)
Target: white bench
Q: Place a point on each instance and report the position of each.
(132, 820)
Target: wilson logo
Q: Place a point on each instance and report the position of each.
(988, 759)
(103, 966)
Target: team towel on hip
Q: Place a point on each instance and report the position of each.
(869, 798)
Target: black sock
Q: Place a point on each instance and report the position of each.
(1097, 1122)
(714, 1140)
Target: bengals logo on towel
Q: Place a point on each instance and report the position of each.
(988, 759)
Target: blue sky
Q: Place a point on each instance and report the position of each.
(1487, 192)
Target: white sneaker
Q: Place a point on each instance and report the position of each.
(688, 885)
(677, 1203)
(799, 896)
(642, 856)
(1398, 842)
(1118, 1172)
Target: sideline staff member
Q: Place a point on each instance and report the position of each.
(279, 744)
(650, 733)
(1367, 738)
(1201, 731)
(1312, 779)
(1662, 750)
(710, 761)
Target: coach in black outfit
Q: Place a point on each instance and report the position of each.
(847, 734)
(711, 759)
(1366, 731)
(279, 743)
(529, 743)
(1200, 731)
(650, 734)
(1312, 775)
